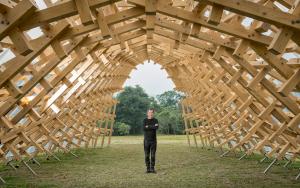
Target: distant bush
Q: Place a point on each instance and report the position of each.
(121, 129)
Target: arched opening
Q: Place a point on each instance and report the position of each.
(150, 76)
(237, 62)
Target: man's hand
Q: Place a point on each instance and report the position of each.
(151, 127)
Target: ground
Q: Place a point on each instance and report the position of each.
(178, 165)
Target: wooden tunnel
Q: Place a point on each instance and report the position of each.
(237, 61)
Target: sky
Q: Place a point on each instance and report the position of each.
(151, 77)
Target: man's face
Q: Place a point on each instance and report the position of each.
(150, 113)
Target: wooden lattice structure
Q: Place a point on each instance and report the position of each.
(237, 61)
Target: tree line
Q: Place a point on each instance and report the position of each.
(132, 109)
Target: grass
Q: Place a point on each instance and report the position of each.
(177, 165)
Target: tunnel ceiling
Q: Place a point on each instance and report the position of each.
(237, 62)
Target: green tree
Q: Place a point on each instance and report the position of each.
(170, 121)
(132, 108)
(121, 129)
(134, 103)
(169, 98)
(154, 104)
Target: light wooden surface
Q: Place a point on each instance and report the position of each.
(237, 61)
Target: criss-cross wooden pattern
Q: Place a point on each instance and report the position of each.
(237, 61)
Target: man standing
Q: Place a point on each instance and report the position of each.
(150, 125)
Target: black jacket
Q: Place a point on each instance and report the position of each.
(150, 130)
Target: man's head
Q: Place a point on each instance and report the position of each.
(150, 113)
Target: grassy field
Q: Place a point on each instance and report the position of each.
(177, 165)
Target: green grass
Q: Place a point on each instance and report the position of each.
(122, 165)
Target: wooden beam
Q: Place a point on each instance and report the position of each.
(215, 14)
(60, 11)
(20, 41)
(150, 11)
(222, 27)
(15, 16)
(105, 31)
(84, 11)
(18, 63)
(259, 12)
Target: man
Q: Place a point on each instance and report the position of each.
(150, 125)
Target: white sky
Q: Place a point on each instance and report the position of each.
(151, 77)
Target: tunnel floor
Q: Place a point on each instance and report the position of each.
(178, 165)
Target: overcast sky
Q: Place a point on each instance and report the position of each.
(151, 77)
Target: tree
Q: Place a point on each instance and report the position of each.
(134, 103)
(132, 108)
(154, 104)
(170, 121)
(169, 98)
(121, 129)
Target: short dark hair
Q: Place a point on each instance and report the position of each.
(151, 109)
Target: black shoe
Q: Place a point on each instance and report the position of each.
(148, 170)
(152, 169)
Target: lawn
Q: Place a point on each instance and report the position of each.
(178, 165)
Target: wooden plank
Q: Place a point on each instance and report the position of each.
(259, 12)
(15, 16)
(84, 11)
(290, 84)
(4, 122)
(105, 31)
(60, 11)
(215, 14)
(19, 63)
(280, 40)
(20, 41)
(12, 89)
(222, 27)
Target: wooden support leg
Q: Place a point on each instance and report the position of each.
(30, 169)
(234, 153)
(263, 159)
(11, 165)
(109, 137)
(95, 141)
(102, 141)
(188, 139)
(104, 134)
(34, 161)
(54, 156)
(287, 163)
(225, 153)
(195, 140)
(202, 142)
(2, 180)
(112, 126)
(110, 133)
(271, 164)
(297, 177)
(244, 155)
(73, 154)
(221, 149)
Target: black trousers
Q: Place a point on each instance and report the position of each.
(150, 149)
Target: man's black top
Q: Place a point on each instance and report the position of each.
(150, 131)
